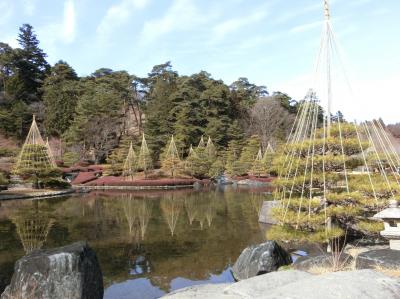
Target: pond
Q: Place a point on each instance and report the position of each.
(148, 242)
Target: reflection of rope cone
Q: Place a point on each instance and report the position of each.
(256, 202)
(32, 231)
(190, 206)
(171, 208)
(144, 213)
(138, 214)
(206, 211)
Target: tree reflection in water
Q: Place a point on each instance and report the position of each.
(171, 208)
(131, 233)
(190, 206)
(137, 213)
(33, 226)
(257, 200)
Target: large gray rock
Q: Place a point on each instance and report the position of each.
(380, 258)
(67, 272)
(305, 263)
(361, 284)
(266, 212)
(259, 259)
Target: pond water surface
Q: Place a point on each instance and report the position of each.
(148, 243)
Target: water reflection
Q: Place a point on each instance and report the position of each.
(171, 207)
(138, 214)
(257, 200)
(32, 225)
(149, 240)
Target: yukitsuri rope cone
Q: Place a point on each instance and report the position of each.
(145, 161)
(171, 162)
(35, 153)
(130, 164)
(210, 149)
(333, 175)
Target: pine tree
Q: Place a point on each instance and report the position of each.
(258, 167)
(145, 161)
(35, 159)
(249, 154)
(199, 162)
(268, 158)
(211, 150)
(31, 66)
(233, 152)
(116, 160)
(171, 162)
(130, 163)
(60, 96)
(321, 196)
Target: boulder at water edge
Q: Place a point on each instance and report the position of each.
(71, 272)
(260, 259)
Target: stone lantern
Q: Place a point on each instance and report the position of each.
(391, 219)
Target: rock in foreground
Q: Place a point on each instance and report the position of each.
(380, 258)
(260, 259)
(365, 284)
(71, 272)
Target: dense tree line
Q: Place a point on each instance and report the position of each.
(93, 114)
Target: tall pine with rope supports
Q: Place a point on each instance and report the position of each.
(331, 186)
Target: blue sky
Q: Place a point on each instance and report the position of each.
(271, 42)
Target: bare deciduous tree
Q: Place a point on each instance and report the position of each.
(269, 120)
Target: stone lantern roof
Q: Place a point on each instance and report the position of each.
(392, 212)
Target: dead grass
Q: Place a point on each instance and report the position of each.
(393, 271)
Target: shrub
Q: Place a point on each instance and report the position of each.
(55, 184)
(6, 152)
(3, 179)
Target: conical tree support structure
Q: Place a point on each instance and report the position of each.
(210, 149)
(35, 155)
(171, 162)
(333, 175)
(268, 157)
(145, 161)
(258, 165)
(130, 164)
(201, 143)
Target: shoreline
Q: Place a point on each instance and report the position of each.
(32, 195)
(110, 187)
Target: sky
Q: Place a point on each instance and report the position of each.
(271, 42)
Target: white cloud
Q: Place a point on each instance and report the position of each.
(232, 25)
(59, 32)
(69, 21)
(181, 15)
(118, 14)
